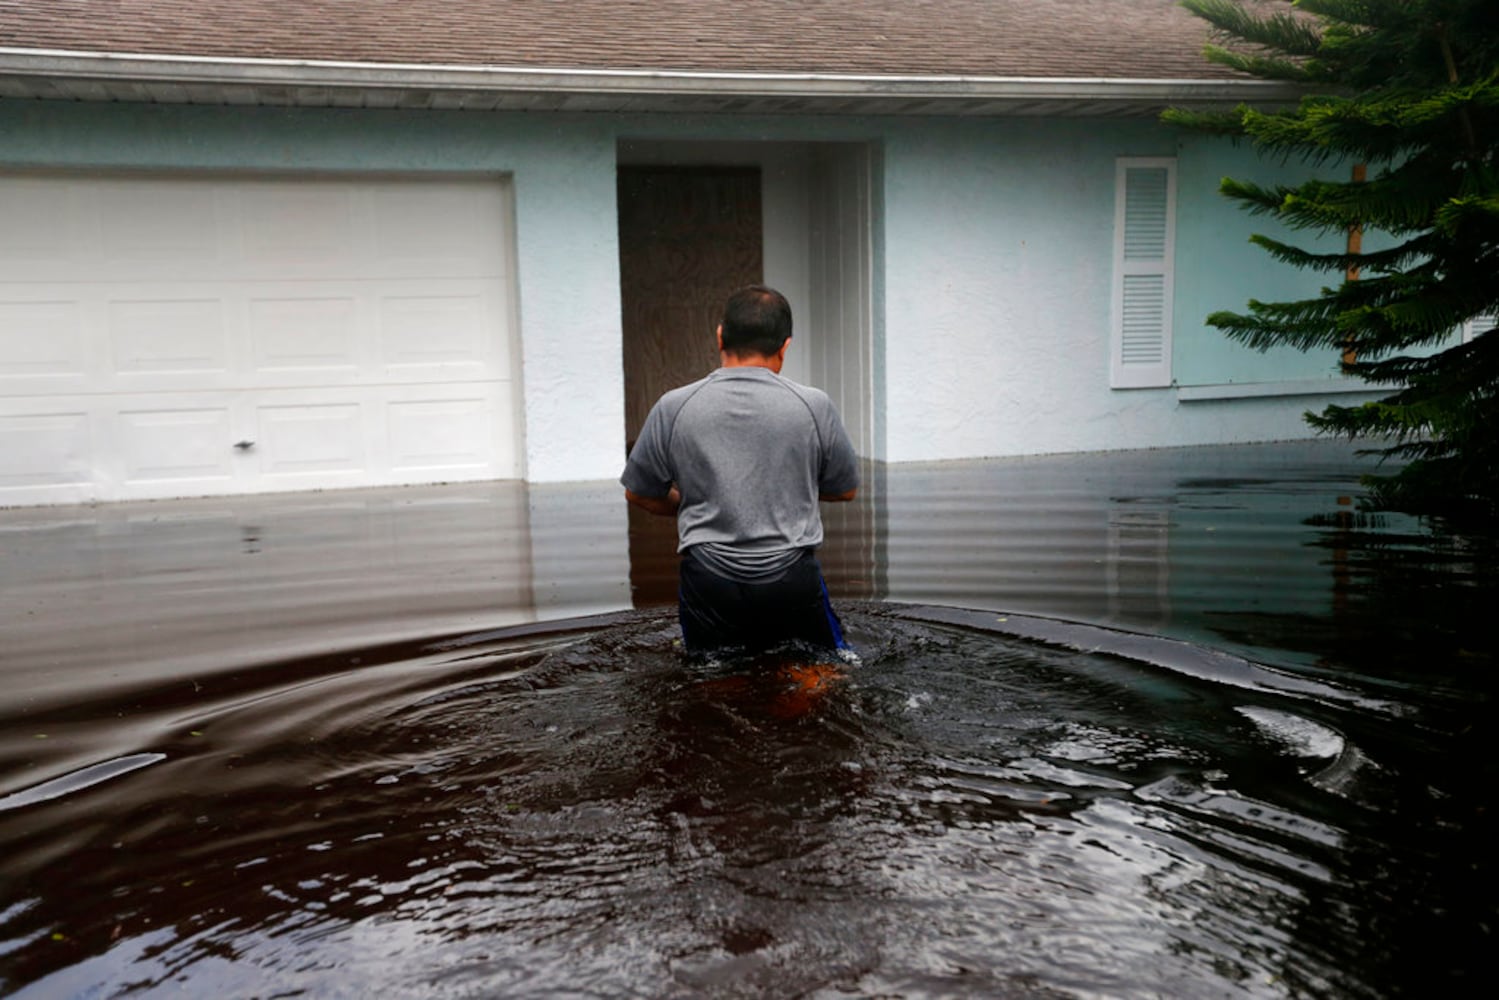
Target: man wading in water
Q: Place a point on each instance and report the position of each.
(741, 459)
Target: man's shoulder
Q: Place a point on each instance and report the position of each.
(766, 385)
(671, 400)
(806, 391)
(815, 398)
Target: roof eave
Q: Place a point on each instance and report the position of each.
(99, 76)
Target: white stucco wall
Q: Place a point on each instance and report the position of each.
(570, 311)
(998, 259)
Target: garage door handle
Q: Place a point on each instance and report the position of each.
(244, 445)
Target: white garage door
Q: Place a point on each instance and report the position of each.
(186, 335)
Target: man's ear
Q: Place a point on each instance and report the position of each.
(719, 335)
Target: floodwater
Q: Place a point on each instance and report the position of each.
(1178, 723)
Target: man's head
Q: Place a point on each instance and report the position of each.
(756, 322)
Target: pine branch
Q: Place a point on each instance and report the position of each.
(1261, 333)
(1373, 262)
(1460, 214)
(1256, 198)
(1295, 36)
(1223, 123)
(1263, 66)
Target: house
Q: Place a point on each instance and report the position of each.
(289, 245)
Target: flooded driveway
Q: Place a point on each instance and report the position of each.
(1179, 722)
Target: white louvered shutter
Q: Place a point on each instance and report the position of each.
(1144, 244)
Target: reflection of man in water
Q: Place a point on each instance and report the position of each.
(741, 458)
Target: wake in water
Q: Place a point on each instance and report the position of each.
(985, 805)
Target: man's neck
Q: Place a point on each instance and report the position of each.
(770, 361)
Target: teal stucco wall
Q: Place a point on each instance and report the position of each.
(1217, 268)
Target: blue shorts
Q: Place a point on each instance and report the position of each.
(720, 614)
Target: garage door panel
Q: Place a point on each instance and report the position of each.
(43, 231)
(313, 438)
(151, 223)
(292, 226)
(188, 445)
(45, 450)
(440, 434)
(357, 331)
(434, 329)
(70, 449)
(473, 245)
(41, 343)
(166, 336)
(306, 336)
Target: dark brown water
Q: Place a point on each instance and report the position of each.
(1154, 724)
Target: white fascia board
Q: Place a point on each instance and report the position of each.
(522, 79)
(1290, 387)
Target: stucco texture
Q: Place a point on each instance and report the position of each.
(999, 243)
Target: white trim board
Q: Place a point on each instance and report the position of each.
(1298, 387)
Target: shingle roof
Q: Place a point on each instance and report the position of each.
(1111, 39)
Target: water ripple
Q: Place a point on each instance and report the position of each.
(77, 781)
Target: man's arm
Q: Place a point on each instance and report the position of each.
(662, 506)
(838, 476)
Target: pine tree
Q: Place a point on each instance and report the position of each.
(1406, 94)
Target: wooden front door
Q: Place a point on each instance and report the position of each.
(688, 236)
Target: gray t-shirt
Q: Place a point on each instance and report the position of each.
(750, 451)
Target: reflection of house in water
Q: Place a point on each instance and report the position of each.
(1085, 537)
(979, 534)
(1138, 565)
(256, 248)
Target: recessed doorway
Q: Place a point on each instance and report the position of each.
(698, 219)
(687, 236)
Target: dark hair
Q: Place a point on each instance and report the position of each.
(756, 320)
